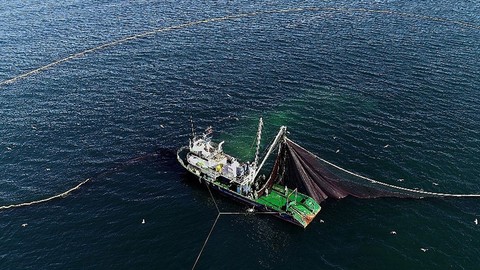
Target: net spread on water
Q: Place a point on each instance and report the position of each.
(298, 168)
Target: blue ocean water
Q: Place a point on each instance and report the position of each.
(387, 89)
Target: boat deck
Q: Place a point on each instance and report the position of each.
(277, 199)
(291, 206)
(274, 199)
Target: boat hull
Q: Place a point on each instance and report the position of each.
(237, 197)
(250, 203)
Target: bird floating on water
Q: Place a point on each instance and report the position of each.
(338, 150)
(24, 225)
(476, 221)
(393, 232)
(424, 249)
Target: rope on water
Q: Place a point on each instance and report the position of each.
(233, 17)
(206, 240)
(211, 230)
(61, 195)
(211, 195)
(135, 160)
(220, 213)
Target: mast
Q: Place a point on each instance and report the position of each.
(259, 137)
(280, 135)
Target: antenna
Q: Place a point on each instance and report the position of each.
(193, 127)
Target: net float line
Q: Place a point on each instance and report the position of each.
(227, 18)
(58, 196)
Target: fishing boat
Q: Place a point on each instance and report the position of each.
(244, 182)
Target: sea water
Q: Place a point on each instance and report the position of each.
(387, 89)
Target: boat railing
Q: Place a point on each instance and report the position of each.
(183, 148)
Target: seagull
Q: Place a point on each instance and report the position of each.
(393, 232)
(400, 180)
(251, 210)
(24, 225)
(34, 127)
(338, 150)
(322, 221)
(9, 148)
(387, 145)
(162, 126)
(228, 95)
(424, 249)
(47, 169)
(334, 137)
(143, 221)
(476, 221)
(435, 184)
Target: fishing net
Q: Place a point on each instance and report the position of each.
(321, 179)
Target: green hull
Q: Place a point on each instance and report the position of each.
(289, 205)
(300, 206)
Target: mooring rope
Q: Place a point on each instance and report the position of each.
(206, 240)
(221, 213)
(211, 195)
(427, 193)
(211, 229)
(232, 17)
